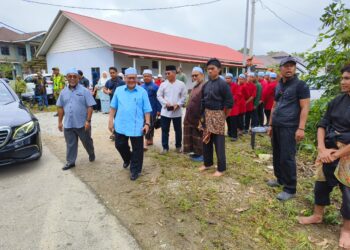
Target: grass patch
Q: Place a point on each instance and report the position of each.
(239, 211)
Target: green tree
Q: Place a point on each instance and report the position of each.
(6, 70)
(324, 65)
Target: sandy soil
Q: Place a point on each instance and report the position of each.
(133, 203)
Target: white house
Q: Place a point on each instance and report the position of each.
(93, 45)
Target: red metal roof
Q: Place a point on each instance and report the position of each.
(145, 41)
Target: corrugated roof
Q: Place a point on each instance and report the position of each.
(141, 40)
(7, 35)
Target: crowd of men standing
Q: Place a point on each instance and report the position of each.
(137, 109)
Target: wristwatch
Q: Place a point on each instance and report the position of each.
(89, 121)
(147, 124)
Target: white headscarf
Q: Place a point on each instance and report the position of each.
(103, 80)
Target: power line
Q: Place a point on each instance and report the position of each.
(12, 27)
(124, 10)
(264, 6)
(294, 10)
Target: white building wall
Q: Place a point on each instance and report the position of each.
(124, 61)
(72, 38)
(82, 59)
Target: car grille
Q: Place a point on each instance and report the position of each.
(4, 135)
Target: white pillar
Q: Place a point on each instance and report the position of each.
(28, 52)
(226, 68)
(252, 29)
(134, 62)
(237, 71)
(160, 67)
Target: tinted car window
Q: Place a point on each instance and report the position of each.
(5, 95)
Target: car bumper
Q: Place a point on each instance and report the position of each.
(23, 150)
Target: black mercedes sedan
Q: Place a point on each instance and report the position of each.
(19, 129)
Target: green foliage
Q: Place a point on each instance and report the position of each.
(318, 108)
(335, 31)
(6, 70)
(324, 65)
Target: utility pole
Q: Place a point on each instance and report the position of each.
(245, 36)
(252, 23)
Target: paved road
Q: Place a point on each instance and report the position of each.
(43, 207)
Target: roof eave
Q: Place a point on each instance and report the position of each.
(164, 53)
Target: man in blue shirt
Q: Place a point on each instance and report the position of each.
(151, 89)
(129, 117)
(75, 105)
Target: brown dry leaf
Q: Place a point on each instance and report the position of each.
(241, 209)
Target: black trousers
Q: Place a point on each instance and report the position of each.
(323, 189)
(150, 134)
(233, 125)
(268, 114)
(229, 128)
(248, 119)
(241, 121)
(255, 118)
(260, 110)
(97, 106)
(135, 157)
(208, 151)
(165, 121)
(284, 151)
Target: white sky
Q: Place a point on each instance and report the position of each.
(221, 22)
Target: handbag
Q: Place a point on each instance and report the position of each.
(157, 123)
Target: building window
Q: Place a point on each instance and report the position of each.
(5, 51)
(22, 51)
(143, 68)
(155, 65)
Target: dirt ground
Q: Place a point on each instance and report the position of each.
(173, 206)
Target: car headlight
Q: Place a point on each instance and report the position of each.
(23, 130)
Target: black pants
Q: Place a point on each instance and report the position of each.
(229, 128)
(260, 110)
(241, 121)
(248, 119)
(98, 105)
(284, 151)
(208, 151)
(323, 190)
(267, 113)
(255, 118)
(136, 156)
(150, 134)
(233, 125)
(165, 121)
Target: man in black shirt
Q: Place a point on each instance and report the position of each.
(83, 80)
(286, 127)
(112, 83)
(334, 128)
(217, 102)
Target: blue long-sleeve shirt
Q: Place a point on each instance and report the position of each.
(152, 89)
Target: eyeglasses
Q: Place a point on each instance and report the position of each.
(131, 78)
(194, 75)
(167, 73)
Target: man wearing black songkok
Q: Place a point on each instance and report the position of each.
(217, 102)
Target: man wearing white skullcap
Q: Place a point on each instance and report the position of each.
(129, 118)
(192, 135)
